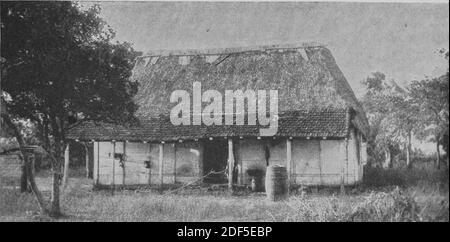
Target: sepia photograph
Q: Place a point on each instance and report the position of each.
(224, 111)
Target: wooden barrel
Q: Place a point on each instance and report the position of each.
(277, 186)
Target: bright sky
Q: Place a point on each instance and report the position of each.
(398, 39)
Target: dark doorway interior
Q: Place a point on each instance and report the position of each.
(215, 159)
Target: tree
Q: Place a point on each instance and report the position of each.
(60, 68)
(403, 117)
(431, 96)
(392, 118)
(374, 103)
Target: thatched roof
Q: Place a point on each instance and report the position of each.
(314, 123)
(306, 76)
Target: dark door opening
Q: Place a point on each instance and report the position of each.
(215, 159)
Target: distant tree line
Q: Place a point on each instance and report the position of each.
(397, 114)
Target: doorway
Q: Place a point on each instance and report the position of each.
(215, 160)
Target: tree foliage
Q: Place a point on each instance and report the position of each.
(397, 114)
(59, 66)
(431, 97)
(392, 115)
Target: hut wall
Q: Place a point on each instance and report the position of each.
(186, 168)
(332, 162)
(135, 169)
(356, 153)
(102, 167)
(306, 167)
(314, 162)
(321, 162)
(168, 163)
(352, 165)
(363, 156)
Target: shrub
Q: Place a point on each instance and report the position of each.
(394, 206)
(379, 177)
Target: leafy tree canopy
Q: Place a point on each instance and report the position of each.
(58, 61)
(59, 65)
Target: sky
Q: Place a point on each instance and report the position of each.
(398, 39)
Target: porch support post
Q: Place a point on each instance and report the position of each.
(113, 166)
(87, 158)
(149, 177)
(343, 167)
(124, 159)
(230, 164)
(98, 163)
(161, 163)
(289, 159)
(175, 163)
(201, 161)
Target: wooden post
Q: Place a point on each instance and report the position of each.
(150, 169)
(343, 167)
(123, 161)
(113, 166)
(98, 163)
(66, 165)
(320, 163)
(175, 163)
(238, 162)
(161, 163)
(289, 159)
(230, 164)
(87, 158)
(201, 149)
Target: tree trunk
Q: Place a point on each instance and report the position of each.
(408, 151)
(24, 179)
(33, 186)
(55, 210)
(438, 155)
(387, 158)
(447, 162)
(66, 167)
(27, 167)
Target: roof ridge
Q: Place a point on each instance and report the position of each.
(231, 50)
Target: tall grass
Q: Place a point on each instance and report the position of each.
(391, 195)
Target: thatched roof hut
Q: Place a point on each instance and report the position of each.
(321, 125)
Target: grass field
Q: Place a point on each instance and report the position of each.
(394, 195)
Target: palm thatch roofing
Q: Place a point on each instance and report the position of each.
(306, 76)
